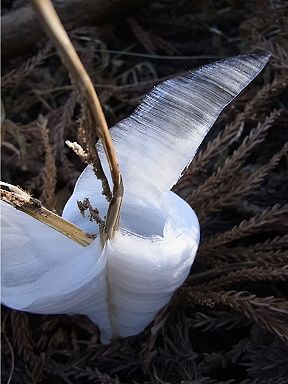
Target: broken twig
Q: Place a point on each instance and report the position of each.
(32, 207)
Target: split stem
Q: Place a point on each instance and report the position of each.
(32, 207)
(82, 81)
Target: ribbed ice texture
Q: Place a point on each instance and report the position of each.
(158, 141)
(43, 271)
(46, 272)
(143, 272)
(122, 287)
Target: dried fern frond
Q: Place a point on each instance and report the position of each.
(226, 136)
(212, 321)
(204, 344)
(239, 186)
(233, 163)
(278, 51)
(238, 254)
(260, 222)
(22, 338)
(89, 137)
(48, 174)
(16, 76)
(62, 122)
(267, 273)
(278, 242)
(268, 312)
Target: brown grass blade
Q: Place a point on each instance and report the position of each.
(91, 103)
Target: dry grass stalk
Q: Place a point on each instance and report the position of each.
(91, 106)
(32, 207)
(78, 150)
(142, 36)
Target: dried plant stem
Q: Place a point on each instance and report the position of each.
(87, 92)
(32, 207)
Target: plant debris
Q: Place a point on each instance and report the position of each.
(229, 322)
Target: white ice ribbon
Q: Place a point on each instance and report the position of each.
(122, 286)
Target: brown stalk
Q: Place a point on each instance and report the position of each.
(32, 207)
(80, 78)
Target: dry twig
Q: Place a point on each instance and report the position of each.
(94, 114)
(32, 207)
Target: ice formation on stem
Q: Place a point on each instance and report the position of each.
(122, 285)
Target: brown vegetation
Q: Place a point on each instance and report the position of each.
(229, 322)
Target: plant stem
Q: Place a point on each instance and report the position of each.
(32, 207)
(82, 81)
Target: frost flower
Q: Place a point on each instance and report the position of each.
(122, 285)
